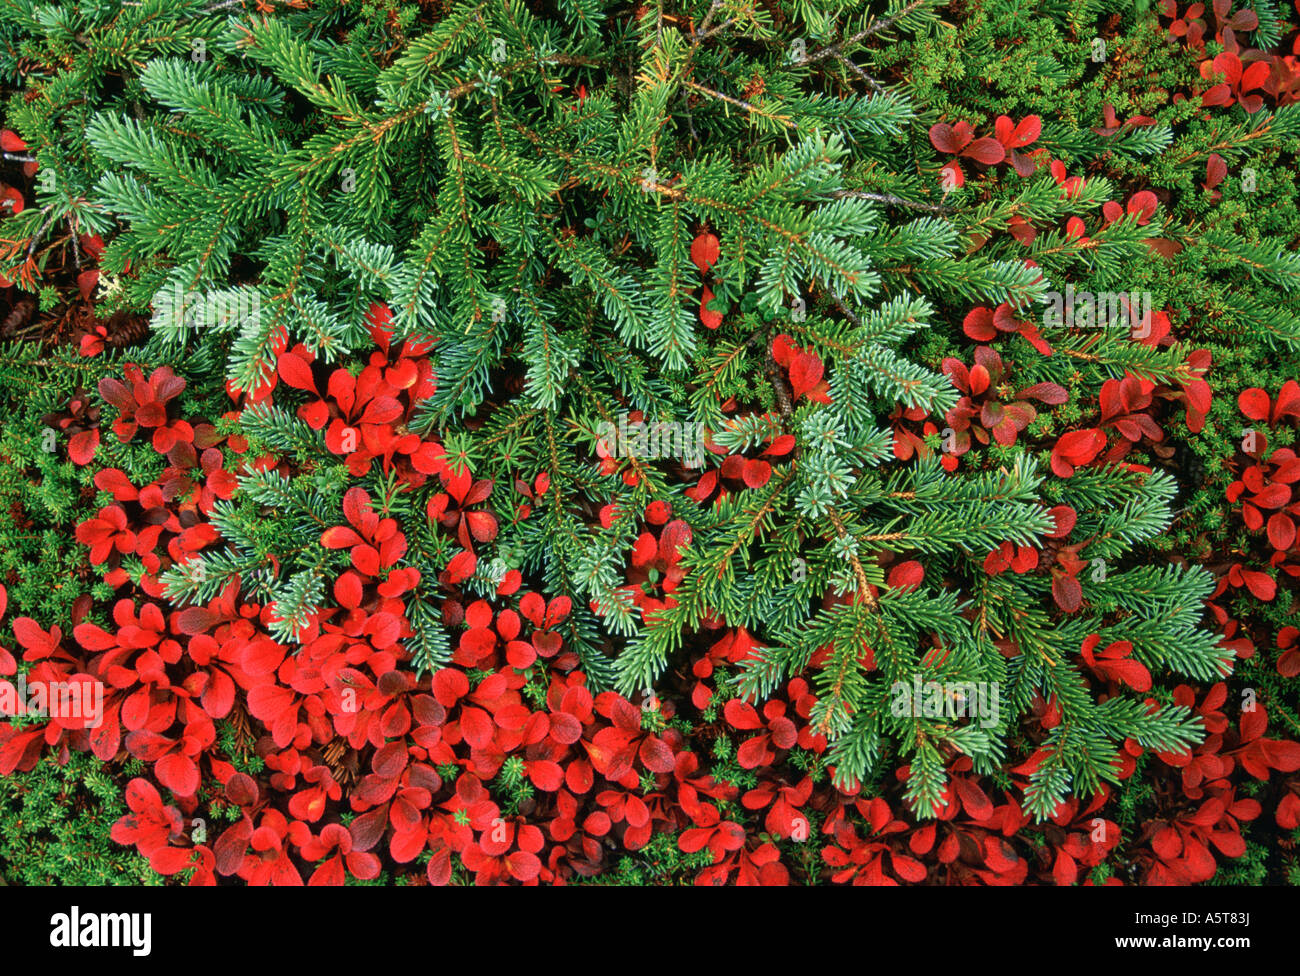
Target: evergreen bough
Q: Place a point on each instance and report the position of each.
(523, 191)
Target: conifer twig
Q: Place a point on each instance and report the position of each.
(893, 200)
(875, 27)
(695, 86)
(40, 231)
(859, 574)
(875, 86)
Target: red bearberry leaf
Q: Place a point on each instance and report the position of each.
(178, 772)
(978, 325)
(1215, 171)
(340, 537)
(943, 138)
(655, 755)
(1272, 496)
(986, 150)
(476, 726)
(805, 373)
(1067, 593)
(704, 251)
(461, 567)
(450, 686)
(86, 282)
(711, 319)
(906, 576)
(81, 447)
(1263, 586)
(1254, 403)
(296, 372)
(757, 473)
(742, 715)
(1281, 531)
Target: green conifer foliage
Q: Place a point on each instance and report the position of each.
(524, 191)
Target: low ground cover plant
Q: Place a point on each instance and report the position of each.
(582, 443)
